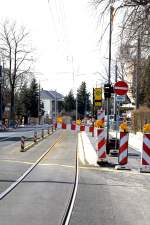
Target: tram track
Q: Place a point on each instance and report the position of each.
(71, 182)
(28, 171)
(67, 215)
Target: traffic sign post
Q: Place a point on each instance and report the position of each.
(120, 88)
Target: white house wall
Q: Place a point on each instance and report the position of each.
(47, 107)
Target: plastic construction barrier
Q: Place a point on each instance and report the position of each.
(123, 148)
(73, 126)
(101, 151)
(64, 126)
(82, 127)
(91, 129)
(146, 150)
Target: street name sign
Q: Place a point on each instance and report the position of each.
(120, 98)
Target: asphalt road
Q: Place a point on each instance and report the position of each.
(109, 197)
(43, 196)
(105, 196)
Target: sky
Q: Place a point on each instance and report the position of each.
(65, 35)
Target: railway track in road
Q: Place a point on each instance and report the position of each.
(69, 208)
(70, 199)
(28, 171)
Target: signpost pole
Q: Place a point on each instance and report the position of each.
(109, 74)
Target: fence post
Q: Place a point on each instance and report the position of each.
(48, 131)
(42, 134)
(35, 136)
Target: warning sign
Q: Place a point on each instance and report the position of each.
(98, 93)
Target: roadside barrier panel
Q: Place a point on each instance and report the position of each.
(123, 152)
(82, 128)
(73, 126)
(91, 129)
(22, 143)
(145, 157)
(35, 136)
(101, 150)
(64, 126)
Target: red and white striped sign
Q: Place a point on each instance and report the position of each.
(123, 149)
(101, 151)
(146, 149)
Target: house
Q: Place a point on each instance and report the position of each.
(53, 102)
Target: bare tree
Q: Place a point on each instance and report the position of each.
(16, 56)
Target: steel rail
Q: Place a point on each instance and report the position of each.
(67, 215)
(20, 179)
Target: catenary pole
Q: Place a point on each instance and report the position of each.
(138, 70)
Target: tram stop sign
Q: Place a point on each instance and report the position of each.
(120, 88)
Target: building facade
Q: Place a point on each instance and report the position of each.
(53, 102)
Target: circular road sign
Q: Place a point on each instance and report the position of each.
(120, 88)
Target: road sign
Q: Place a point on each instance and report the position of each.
(120, 98)
(120, 88)
(98, 94)
(97, 97)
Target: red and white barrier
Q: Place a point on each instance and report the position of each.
(82, 127)
(73, 126)
(146, 150)
(123, 148)
(64, 126)
(101, 151)
(91, 129)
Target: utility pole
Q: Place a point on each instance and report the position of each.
(109, 69)
(138, 70)
(39, 99)
(115, 102)
(76, 107)
(55, 105)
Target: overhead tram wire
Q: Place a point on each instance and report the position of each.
(58, 28)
